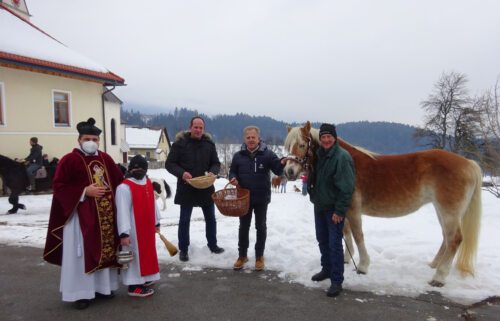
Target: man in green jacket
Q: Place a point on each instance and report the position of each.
(331, 189)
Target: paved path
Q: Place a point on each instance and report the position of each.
(29, 291)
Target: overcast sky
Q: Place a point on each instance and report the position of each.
(293, 60)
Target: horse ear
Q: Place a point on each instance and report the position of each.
(289, 128)
(307, 126)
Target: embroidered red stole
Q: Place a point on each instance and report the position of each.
(98, 174)
(144, 215)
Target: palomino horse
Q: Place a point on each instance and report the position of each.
(397, 185)
(276, 182)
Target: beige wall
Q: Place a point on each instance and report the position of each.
(143, 151)
(29, 111)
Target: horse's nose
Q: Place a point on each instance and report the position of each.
(290, 172)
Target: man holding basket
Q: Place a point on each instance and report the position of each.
(250, 168)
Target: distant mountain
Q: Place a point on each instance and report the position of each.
(380, 137)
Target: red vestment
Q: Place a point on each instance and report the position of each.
(97, 215)
(144, 217)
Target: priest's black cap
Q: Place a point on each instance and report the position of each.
(88, 127)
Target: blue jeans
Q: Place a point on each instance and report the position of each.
(31, 169)
(329, 236)
(260, 211)
(210, 226)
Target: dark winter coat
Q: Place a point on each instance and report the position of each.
(35, 156)
(196, 157)
(332, 183)
(252, 172)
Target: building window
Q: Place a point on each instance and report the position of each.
(148, 155)
(2, 104)
(61, 108)
(113, 131)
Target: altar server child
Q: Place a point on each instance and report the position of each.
(138, 220)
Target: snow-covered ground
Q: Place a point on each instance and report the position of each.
(399, 248)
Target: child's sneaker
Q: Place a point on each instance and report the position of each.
(140, 291)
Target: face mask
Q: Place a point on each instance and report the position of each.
(138, 174)
(89, 147)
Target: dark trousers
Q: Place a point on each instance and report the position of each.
(210, 226)
(260, 211)
(329, 236)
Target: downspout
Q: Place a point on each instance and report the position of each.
(104, 115)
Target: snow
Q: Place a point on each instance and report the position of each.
(142, 137)
(400, 248)
(20, 38)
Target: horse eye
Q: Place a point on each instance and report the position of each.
(302, 145)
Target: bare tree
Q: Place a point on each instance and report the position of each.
(224, 151)
(490, 130)
(444, 108)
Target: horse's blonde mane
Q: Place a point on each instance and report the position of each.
(295, 134)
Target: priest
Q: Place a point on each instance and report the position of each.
(82, 237)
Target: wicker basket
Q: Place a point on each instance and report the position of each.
(202, 182)
(232, 201)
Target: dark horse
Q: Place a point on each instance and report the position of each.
(14, 177)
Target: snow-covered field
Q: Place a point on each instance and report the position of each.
(399, 248)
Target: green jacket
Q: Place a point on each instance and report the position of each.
(333, 180)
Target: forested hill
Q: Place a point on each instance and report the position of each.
(380, 137)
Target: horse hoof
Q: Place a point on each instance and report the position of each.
(22, 206)
(360, 272)
(11, 212)
(436, 284)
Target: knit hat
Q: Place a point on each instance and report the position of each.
(138, 162)
(88, 127)
(328, 129)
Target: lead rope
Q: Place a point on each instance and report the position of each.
(349, 251)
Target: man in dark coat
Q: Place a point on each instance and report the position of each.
(331, 187)
(193, 154)
(250, 169)
(34, 161)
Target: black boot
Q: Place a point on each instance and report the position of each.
(334, 290)
(82, 304)
(217, 250)
(320, 276)
(183, 256)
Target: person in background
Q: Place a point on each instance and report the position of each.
(331, 187)
(303, 178)
(283, 182)
(82, 236)
(250, 168)
(193, 154)
(34, 161)
(138, 220)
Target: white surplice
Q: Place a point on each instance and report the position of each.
(75, 283)
(126, 224)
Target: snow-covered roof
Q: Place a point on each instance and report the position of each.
(142, 137)
(23, 43)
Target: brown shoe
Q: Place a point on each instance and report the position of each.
(259, 263)
(238, 265)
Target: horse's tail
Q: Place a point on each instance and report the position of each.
(167, 189)
(471, 222)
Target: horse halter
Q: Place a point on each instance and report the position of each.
(304, 161)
